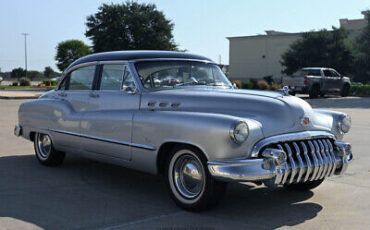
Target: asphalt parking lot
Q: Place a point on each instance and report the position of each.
(83, 194)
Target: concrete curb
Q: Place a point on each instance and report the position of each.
(20, 97)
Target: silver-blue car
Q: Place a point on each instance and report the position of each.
(176, 114)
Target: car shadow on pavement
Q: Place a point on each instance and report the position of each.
(84, 194)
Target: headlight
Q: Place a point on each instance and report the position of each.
(239, 132)
(345, 124)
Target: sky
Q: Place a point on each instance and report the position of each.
(201, 26)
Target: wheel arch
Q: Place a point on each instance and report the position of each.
(165, 150)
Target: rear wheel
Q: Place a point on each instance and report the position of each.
(306, 186)
(345, 90)
(189, 182)
(45, 152)
(314, 91)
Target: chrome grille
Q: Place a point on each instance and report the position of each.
(307, 160)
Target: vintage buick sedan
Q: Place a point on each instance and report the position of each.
(176, 114)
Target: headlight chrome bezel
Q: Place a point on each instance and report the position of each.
(345, 124)
(238, 125)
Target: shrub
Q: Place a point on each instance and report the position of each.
(263, 85)
(14, 83)
(360, 90)
(254, 83)
(247, 85)
(237, 83)
(49, 82)
(24, 81)
(275, 86)
(269, 79)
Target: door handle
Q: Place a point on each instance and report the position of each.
(94, 95)
(62, 94)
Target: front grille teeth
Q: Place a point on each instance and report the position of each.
(307, 160)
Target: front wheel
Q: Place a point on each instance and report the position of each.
(305, 186)
(189, 182)
(45, 152)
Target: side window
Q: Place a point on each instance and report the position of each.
(334, 74)
(327, 73)
(112, 76)
(128, 83)
(82, 78)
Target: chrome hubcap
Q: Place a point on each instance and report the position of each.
(44, 144)
(188, 176)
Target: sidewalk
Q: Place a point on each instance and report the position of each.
(19, 94)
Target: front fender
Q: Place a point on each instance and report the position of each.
(331, 119)
(207, 131)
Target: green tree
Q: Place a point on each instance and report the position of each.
(69, 51)
(322, 48)
(362, 54)
(32, 74)
(130, 26)
(48, 72)
(18, 73)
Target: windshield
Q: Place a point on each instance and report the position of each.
(155, 74)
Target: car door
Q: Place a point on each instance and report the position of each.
(336, 81)
(73, 94)
(328, 79)
(109, 125)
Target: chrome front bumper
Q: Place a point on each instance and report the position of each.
(277, 165)
(17, 130)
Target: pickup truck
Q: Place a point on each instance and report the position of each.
(317, 81)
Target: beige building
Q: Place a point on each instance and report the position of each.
(259, 56)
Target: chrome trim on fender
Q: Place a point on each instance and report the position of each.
(152, 148)
(306, 135)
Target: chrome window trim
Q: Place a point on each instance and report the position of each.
(143, 89)
(126, 68)
(132, 69)
(135, 145)
(306, 135)
(68, 71)
(171, 59)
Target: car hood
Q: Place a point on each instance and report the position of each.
(274, 112)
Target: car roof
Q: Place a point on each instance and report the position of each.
(315, 68)
(135, 55)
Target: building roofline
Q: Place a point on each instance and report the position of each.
(266, 35)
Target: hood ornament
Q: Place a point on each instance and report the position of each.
(285, 90)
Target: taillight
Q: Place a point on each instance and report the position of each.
(305, 81)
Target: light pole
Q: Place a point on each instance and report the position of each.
(25, 50)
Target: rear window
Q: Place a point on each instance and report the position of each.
(310, 72)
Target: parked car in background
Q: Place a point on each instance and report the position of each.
(317, 82)
(177, 114)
